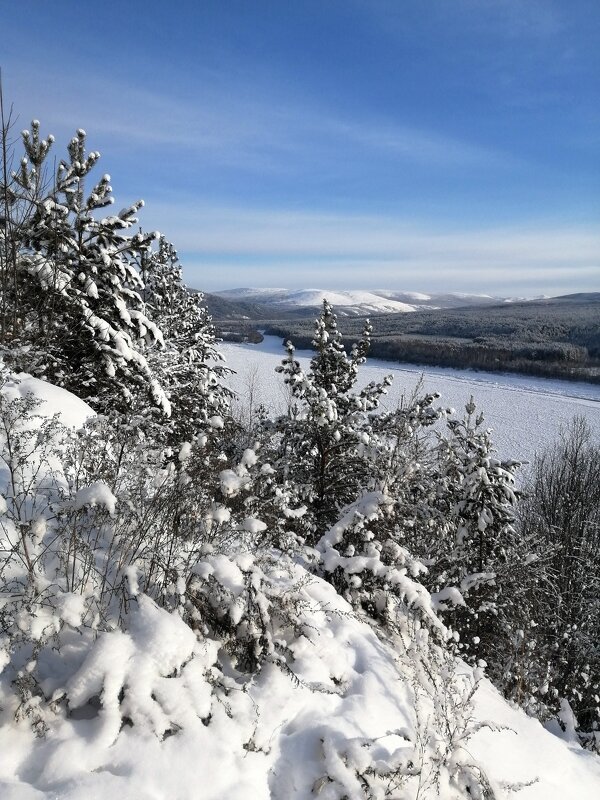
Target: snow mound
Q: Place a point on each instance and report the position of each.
(350, 708)
(97, 494)
(72, 411)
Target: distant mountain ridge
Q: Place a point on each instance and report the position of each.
(552, 337)
(351, 302)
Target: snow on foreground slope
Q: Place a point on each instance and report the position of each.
(284, 736)
(349, 709)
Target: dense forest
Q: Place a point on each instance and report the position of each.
(165, 510)
(558, 337)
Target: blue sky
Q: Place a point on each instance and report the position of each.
(432, 145)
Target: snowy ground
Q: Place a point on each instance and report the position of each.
(281, 735)
(525, 412)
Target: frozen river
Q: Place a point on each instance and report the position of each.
(525, 412)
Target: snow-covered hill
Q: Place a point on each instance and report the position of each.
(354, 302)
(367, 301)
(143, 712)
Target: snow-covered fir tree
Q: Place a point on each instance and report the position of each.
(323, 439)
(481, 554)
(189, 366)
(81, 320)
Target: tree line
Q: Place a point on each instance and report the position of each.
(557, 338)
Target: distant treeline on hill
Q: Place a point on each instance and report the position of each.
(551, 338)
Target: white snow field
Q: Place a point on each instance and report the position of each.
(286, 734)
(281, 736)
(524, 412)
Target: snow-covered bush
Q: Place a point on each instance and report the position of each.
(97, 521)
(153, 674)
(40, 584)
(430, 758)
(361, 557)
(252, 605)
(562, 510)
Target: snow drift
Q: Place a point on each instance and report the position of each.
(334, 707)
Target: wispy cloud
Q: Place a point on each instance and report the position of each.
(406, 142)
(533, 19)
(222, 124)
(296, 232)
(299, 248)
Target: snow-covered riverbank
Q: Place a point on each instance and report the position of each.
(525, 412)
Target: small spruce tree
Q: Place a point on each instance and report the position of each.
(322, 437)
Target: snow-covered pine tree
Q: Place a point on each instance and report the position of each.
(76, 286)
(482, 554)
(322, 438)
(189, 367)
